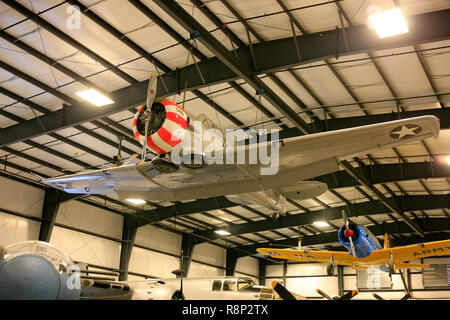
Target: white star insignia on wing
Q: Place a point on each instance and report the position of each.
(404, 131)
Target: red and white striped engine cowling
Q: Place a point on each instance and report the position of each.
(171, 132)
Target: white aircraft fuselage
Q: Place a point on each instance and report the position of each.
(214, 288)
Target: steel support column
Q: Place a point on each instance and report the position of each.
(340, 278)
(52, 200)
(262, 272)
(187, 248)
(231, 261)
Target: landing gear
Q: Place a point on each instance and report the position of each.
(275, 215)
(391, 269)
(391, 265)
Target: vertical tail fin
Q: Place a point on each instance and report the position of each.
(386, 241)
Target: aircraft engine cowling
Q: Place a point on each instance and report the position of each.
(167, 128)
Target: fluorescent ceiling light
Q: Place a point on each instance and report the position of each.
(136, 201)
(95, 97)
(222, 232)
(448, 160)
(321, 224)
(389, 23)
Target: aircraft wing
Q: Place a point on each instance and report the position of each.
(338, 257)
(300, 158)
(375, 258)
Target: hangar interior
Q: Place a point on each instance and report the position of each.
(331, 78)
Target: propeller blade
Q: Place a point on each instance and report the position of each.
(377, 296)
(282, 291)
(151, 90)
(353, 247)
(323, 294)
(144, 148)
(407, 296)
(151, 95)
(348, 295)
(346, 222)
(345, 219)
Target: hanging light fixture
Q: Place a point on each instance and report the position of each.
(389, 23)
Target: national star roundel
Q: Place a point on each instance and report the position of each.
(405, 131)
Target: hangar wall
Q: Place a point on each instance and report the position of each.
(213, 258)
(86, 247)
(161, 260)
(246, 266)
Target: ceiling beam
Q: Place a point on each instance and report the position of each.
(407, 203)
(234, 38)
(245, 72)
(69, 40)
(53, 63)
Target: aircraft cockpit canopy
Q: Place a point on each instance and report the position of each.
(245, 283)
(240, 284)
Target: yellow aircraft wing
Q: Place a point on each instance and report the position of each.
(338, 257)
(375, 258)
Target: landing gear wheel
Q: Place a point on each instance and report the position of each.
(275, 215)
(391, 269)
(331, 270)
(164, 166)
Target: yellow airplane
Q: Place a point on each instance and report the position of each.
(364, 251)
